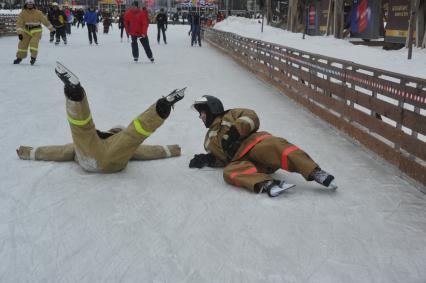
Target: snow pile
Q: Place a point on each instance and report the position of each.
(395, 61)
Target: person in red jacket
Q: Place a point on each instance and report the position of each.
(136, 22)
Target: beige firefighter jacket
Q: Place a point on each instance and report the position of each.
(244, 120)
(29, 21)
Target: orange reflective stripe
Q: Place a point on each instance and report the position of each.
(286, 152)
(246, 172)
(256, 141)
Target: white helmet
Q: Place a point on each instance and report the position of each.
(29, 2)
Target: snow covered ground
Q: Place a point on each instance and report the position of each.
(395, 61)
(159, 221)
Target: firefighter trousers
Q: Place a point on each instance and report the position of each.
(264, 158)
(30, 40)
(111, 154)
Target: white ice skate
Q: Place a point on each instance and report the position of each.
(66, 76)
(275, 187)
(176, 95)
(279, 188)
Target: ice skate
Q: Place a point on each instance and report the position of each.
(17, 61)
(323, 178)
(175, 96)
(274, 187)
(66, 76)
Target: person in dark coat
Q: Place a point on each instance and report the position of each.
(121, 27)
(195, 29)
(161, 25)
(106, 22)
(136, 22)
(58, 19)
(91, 19)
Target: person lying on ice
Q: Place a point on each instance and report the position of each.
(105, 152)
(249, 156)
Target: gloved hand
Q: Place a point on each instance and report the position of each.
(20, 36)
(229, 138)
(201, 160)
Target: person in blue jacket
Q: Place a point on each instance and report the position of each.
(91, 20)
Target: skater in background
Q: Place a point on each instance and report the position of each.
(58, 21)
(80, 18)
(161, 25)
(249, 156)
(136, 22)
(195, 29)
(91, 20)
(50, 17)
(69, 18)
(105, 152)
(121, 27)
(28, 28)
(106, 22)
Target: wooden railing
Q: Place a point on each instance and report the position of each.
(384, 111)
(7, 24)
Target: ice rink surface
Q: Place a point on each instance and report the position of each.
(159, 221)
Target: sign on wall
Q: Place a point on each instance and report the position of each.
(398, 17)
(365, 19)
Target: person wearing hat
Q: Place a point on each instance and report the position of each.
(248, 155)
(57, 17)
(105, 152)
(136, 22)
(28, 28)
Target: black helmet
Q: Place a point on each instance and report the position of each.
(214, 105)
(211, 105)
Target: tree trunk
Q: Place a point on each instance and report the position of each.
(420, 23)
(338, 18)
(292, 15)
(329, 17)
(409, 42)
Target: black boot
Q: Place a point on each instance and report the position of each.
(72, 89)
(32, 61)
(17, 61)
(165, 104)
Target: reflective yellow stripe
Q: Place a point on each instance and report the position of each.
(80, 122)
(22, 50)
(27, 32)
(35, 30)
(33, 48)
(139, 128)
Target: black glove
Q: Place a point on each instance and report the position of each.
(201, 160)
(229, 138)
(20, 36)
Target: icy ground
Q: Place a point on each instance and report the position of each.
(159, 221)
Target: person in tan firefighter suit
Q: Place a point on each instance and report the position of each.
(105, 152)
(249, 156)
(28, 27)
